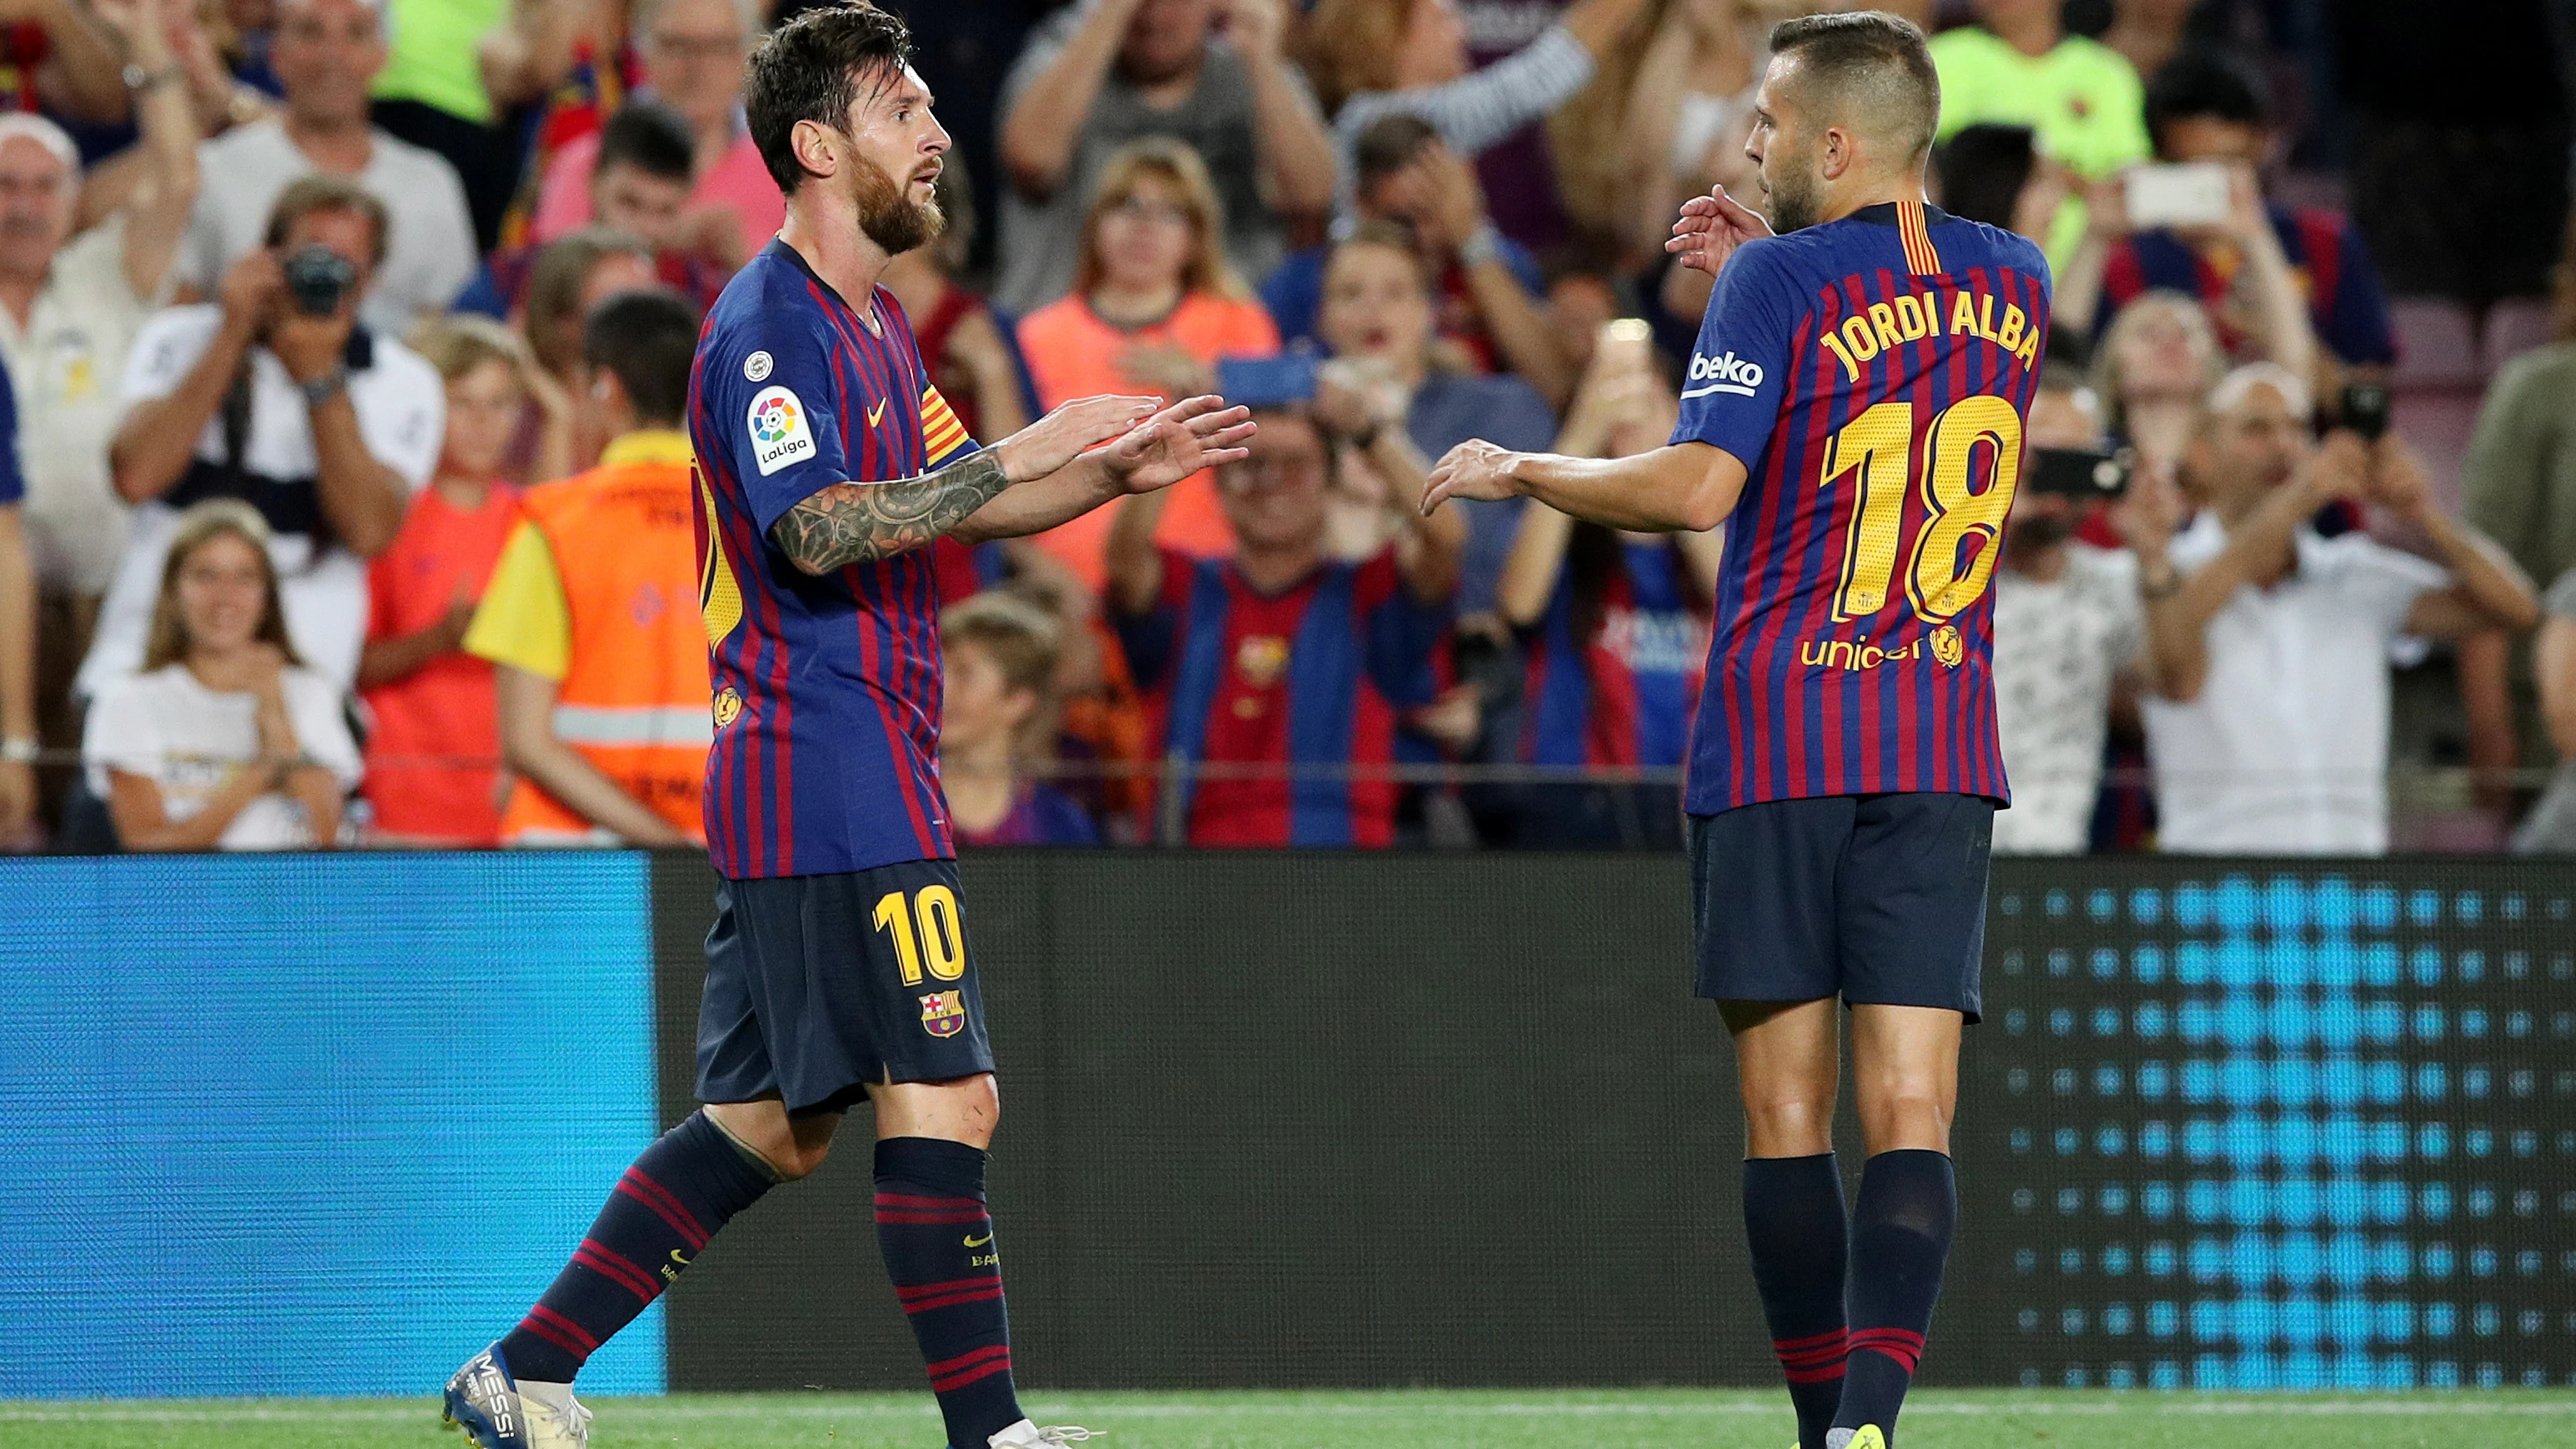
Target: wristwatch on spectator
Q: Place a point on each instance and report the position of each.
(138, 80)
(20, 750)
(319, 390)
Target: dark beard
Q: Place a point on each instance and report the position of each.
(1793, 203)
(889, 220)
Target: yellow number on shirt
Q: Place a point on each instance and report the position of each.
(934, 907)
(1877, 449)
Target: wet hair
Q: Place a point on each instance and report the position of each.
(646, 338)
(1867, 70)
(813, 68)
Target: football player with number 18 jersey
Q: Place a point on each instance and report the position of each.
(1853, 415)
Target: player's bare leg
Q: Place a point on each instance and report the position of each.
(1787, 1062)
(1905, 1071)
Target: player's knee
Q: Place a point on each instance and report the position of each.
(1905, 1113)
(800, 1160)
(1787, 1124)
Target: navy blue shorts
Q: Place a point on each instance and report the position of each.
(1878, 899)
(818, 985)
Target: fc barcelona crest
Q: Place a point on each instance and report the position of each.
(1260, 659)
(943, 1013)
(1948, 647)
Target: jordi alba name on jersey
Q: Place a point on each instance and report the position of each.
(1872, 375)
(826, 753)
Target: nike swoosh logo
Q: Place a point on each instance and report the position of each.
(876, 412)
(979, 1242)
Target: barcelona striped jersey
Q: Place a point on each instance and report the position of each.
(1872, 374)
(827, 690)
(1616, 688)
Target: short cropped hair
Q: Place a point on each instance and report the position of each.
(650, 137)
(646, 338)
(313, 194)
(1868, 70)
(811, 69)
(2206, 82)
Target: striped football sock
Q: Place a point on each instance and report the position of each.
(1901, 1227)
(1793, 1223)
(938, 1245)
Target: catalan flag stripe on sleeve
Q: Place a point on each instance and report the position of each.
(942, 435)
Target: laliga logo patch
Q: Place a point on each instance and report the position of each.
(943, 1013)
(1723, 374)
(779, 435)
(1946, 646)
(755, 368)
(728, 706)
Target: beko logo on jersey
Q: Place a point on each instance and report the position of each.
(779, 435)
(1723, 374)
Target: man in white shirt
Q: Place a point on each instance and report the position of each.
(2067, 623)
(2267, 645)
(326, 52)
(324, 426)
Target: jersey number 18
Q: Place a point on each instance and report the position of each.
(1878, 446)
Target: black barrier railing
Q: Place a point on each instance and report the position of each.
(1344, 1119)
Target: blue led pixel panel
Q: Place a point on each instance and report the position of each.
(2285, 1128)
(310, 1124)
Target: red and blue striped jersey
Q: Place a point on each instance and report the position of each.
(1312, 676)
(826, 753)
(1872, 374)
(1622, 696)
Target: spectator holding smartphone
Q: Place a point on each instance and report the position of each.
(225, 740)
(2267, 645)
(434, 751)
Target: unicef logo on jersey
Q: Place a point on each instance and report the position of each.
(779, 435)
(1722, 374)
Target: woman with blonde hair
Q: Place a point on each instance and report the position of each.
(2158, 362)
(1154, 305)
(225, 740)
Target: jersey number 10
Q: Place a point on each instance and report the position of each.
(1879, 447)
(939, 944)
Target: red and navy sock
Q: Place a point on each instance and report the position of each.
(665, 1208)
(938, 1245)
(1793, 1221)
(1901, 1227)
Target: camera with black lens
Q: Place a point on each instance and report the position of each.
(318, 278)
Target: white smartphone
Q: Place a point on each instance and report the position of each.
(2192, 194)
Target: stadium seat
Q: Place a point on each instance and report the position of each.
(2436, 344)
(2514, 325)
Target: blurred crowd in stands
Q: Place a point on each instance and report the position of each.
(348, 502)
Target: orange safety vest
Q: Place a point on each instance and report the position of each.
(635, 690)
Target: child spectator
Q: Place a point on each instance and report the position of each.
(1153, 306)
(999, 657)
(225, 740)
(433, 753)
(1613, 629)
(639, 185)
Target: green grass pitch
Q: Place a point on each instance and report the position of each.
(1500, 1419)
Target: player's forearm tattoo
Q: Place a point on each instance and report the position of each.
(860, 522)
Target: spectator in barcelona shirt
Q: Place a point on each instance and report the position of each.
(224, 740)
(1105, 73)
(1153, 307)
(2207, 107)
(1284, 670)
(2267, 645)
(1377, 314)
(435, 745)
(639, 185)
(320, 422)
(327, 53)
(694, 54)
(1486, 286)
(999, 664)
(1613, 629)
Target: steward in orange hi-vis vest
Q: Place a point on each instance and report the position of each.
(633, 698)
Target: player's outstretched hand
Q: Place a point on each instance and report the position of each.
(1711, 228)
(1473, 469)
(1194, 433)
(1069, 432)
